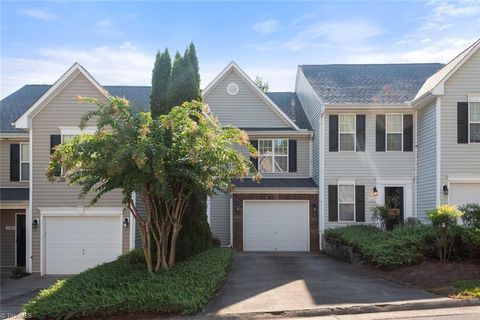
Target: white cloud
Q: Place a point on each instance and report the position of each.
(39, 14)
(110, 65)
(266, 27)
(107, 27)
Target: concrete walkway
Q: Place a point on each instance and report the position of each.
(15, 292)
(275, 282)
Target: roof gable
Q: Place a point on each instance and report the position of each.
(434, 84)
(234, 69)
(368, 83)
(24, 121)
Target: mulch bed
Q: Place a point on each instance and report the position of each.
(429, 274)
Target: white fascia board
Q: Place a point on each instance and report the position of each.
(276, 190)
(252, 85)
(280, 133)
(24, 122)
(367, 106)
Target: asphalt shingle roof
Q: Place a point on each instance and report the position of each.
(289, 103)
(14, 105)
(368, 83)
(14, 194)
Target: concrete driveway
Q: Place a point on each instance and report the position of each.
(274, 282)
(15, 292)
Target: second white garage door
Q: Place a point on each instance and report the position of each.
(462, 193)
(275, 225)
(74, 244)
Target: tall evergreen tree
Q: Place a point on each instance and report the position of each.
(192, 55)
(182, 86)
(160, 79)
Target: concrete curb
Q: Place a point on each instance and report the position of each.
(353, 309)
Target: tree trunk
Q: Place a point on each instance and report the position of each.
(165, 237)
(173, 244)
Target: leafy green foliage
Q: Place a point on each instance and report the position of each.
(165, 159)
(160, 79)
(387, 249)
(467, 243)
(196, 235)
(471, 215)
(183, 85)
(125, 286)
(444, 221)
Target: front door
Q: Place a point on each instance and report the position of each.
(21, 240)
(394, 199)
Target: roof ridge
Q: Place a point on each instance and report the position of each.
(371, 64)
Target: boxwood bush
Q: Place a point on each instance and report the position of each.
(125, 286)
(387, 249)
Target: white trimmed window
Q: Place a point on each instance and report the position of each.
(346, 202)
(68, 133)
(394, 131)
(24, 161)
(346, 132)
(474, 121)
(273, 155)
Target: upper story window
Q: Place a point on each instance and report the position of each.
(346, 132)
(273, 155)
(394, 131)
(24, 161)
(346, 202)
(474, 121)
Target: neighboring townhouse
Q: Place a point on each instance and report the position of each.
(348, 138)
(280, 213)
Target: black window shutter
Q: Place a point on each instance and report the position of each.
(360, 132)
(333, 132)
(292, 155)
(407, 132)
(55, 140)
(15, 162)
(360, 203)
(380, 132)
(332, 202)
(254, 143)
(462, 122)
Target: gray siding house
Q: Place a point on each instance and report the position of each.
(349, 137)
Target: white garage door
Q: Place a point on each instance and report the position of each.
(74, 244)
(461, 193)
(275, 225)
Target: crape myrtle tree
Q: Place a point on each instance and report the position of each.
(166, 159)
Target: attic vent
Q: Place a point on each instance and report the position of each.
(232, 89)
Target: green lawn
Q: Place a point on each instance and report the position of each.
(125, 285)
(467, 288)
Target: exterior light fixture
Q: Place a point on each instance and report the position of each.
(445, 190)
(375, 191)
(35, 223)
(314, 207)
(126, 222)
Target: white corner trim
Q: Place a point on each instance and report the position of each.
(438, 134)
(28, 216)
(81, 211)
(463, 178)
(234, 66)
(231, 219)
(24, 122)
(77, 130)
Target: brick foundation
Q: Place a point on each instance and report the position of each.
(238, 215)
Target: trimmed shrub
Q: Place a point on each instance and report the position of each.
(471, 215)
(387, 249)
(125, 286)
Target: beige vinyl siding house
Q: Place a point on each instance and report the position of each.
(426, 164)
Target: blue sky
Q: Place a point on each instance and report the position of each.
(117, 41)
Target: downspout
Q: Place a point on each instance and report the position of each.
(321, 164)
(415, 195)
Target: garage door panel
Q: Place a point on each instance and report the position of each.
(462, 193)
(74, 244)
(276, 225)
